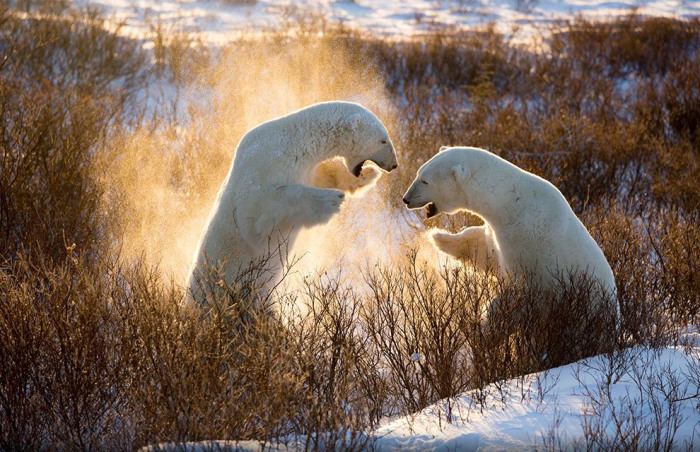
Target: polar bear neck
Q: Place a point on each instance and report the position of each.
(502, 194)
(326, 124)
(319, 137)
(297, 143)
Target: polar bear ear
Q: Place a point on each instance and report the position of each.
(444, 148)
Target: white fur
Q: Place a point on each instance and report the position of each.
(529, 225)
(475, 245)
(268, 194)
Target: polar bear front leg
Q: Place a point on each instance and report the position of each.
(334, 174)
(318, 205)
(470, 245)
(289, 207)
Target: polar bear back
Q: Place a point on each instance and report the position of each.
(548, 237)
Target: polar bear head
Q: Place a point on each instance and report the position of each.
(368, 141)
(441, 183)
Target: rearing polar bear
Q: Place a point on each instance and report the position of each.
(529, 226)
(269, 195)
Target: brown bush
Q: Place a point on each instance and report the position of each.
(98, 356)
(438, 335)
(682, 100)
(67, 372)
(63, 81)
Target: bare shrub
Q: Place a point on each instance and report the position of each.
(344, 389)
(48, 188)
(414, 325)
(648, 418)
(530, 328)
(678, 261)
(218, 371)
(653, 261)
(67, 371)
(439, 335)
(676, 184)
(103, 356)
(682, 99)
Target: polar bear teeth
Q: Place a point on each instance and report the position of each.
(431, 209)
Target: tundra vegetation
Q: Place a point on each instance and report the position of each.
(98, 352)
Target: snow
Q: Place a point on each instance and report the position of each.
(527, 412)
(652, 394)
(219, 21)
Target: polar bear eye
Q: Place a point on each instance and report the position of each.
(424, 182)
(383, 141)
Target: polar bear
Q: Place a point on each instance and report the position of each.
(269, 192)
(529, 227)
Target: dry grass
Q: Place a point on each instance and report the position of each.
(98, 351)
(49, 184)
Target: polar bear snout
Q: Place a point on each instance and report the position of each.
(414, 199)
(386, 158)
(391, 163)
(409, 199)
(388, 167)
(417, 199)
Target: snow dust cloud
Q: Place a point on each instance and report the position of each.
(163, 180)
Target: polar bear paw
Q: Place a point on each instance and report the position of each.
(325, 204)
(334, 174)
(448, 243)
(368, 177)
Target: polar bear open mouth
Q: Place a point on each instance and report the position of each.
(358, 169)
(431, 210)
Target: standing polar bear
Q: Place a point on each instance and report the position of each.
(529, 226)
(288, 173)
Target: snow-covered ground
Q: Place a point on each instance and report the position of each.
(571, 407)
(219, 21)
(640, 399)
